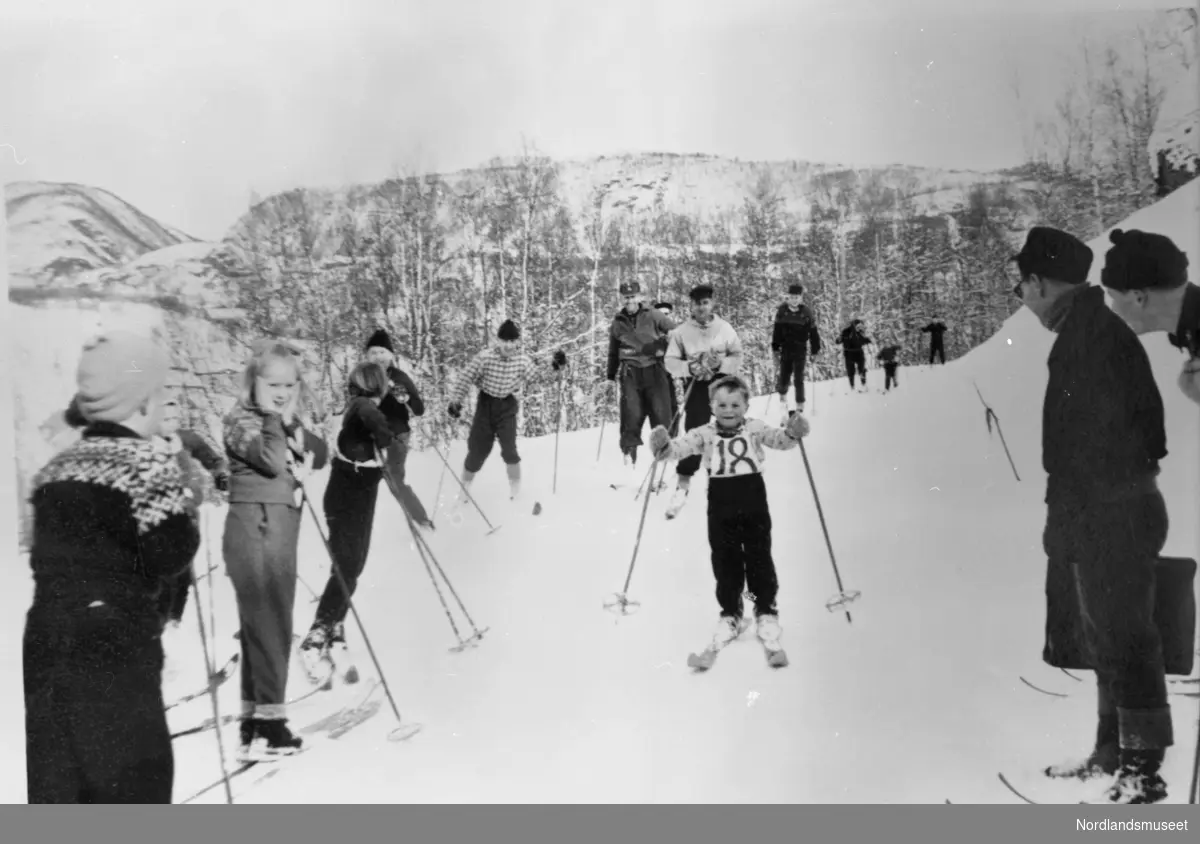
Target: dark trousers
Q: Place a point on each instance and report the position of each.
(739, 534)
(936, 349)
(645, 391)
(791, 370)
(1100, 594)
(495, 419)
(395, 457)
(696, 412)
(349, 504)
(259, 547)
(856, 362)
(889, 375)
(95, 727)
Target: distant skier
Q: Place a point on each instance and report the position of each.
(636, 343)
(854, 342)
(739, 518)
(1146, 276)
(1103, 438)
(702, 349)
(889, 357)
(795, 335)
(937, 348)
(400, 400)
(668, 310)
(499, 372)
(110, 527)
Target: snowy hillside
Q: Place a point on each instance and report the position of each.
(57, 230)
(920, 700)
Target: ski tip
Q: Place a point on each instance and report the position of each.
(404, 732)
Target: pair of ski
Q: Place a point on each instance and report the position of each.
(328, 728)
(703, 661)
(1007, 784)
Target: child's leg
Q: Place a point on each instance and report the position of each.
(798, 379)
(761, 579)
(726, 563)
(52, 774)
(482, 436)
(350, 500)
(850, 368)
(395, 458)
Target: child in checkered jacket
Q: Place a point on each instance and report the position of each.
(499, 372)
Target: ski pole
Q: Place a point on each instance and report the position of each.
(674, 419)
(620, 600)
(603, 419)
(402, 731)
(988, 416)
(437, 501)
(557, 427)
(427, 556)
(491, 528)
(843, 598)
(209, 670)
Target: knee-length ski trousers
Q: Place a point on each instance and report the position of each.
(260, 555)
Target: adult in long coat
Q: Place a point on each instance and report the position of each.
(1103, 436)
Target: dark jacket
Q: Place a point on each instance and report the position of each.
(395, 407)
(1103, 431)
(888, 354)
(364, 428)
(935, 330)
(110, 525)
(794, 330)
(853, 339)
(639, 339)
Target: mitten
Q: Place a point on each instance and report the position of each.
(660, 442)
(455, 410)
(696, 367)
(798, 427)
(712, 361)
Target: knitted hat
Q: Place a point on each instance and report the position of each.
(795, 289)
(1054, 254)
(119, 370)
(1143, 261)
(381, 339)
(630, 288)
(701, 292)
(509, 331)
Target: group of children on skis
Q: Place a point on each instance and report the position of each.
(116, 525)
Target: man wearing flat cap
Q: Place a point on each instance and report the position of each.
(1146, 276)
(1103, 436)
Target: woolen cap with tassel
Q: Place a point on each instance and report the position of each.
(118, 372)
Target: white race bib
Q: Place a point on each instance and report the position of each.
(733, 456)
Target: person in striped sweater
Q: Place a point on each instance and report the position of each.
(499, 372)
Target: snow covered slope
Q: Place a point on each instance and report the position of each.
(918, 701)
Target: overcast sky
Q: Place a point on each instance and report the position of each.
(181, 108)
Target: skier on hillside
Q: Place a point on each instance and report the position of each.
(794, 336)
(1103, 436)
(637, 341)
(853, 342)
(668, 310)
(270, 452)
(498, 372)
(1146, 275)
(739, 518)
(889, 357)
(349, 505)
(937, 348)
(110, 526)
(699, 351)
(400, 400)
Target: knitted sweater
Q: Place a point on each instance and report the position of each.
(737, 452)
(691, 341)
(110, 524)
(262, 465)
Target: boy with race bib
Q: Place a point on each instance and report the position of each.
(739, 519)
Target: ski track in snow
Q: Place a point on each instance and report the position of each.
(564, 702)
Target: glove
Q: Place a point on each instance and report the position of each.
(221, 481)
(400, 394)
(696, 367)
(660, 442)
(797, 427)
(712, 361)
(559, 360)
(454, 410)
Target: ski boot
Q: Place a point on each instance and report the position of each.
(314, 656)
(1138, 781)
(265, 740)
(339, 654)
(678, 500)
(1103, 762)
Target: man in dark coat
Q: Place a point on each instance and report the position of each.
(1146, 275)
(637, 342)
(937, 348)
(1103, 436)
(795, 335)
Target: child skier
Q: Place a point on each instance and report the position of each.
(266, 444)
(349, 503)
(110, 526)
(853, 341)
(794, 337)
(499, 372)
(400, 399)
(193, 454)
(739, 519)
(888, 356)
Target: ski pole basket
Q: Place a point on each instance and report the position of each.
(840, 601)
(619, 604)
